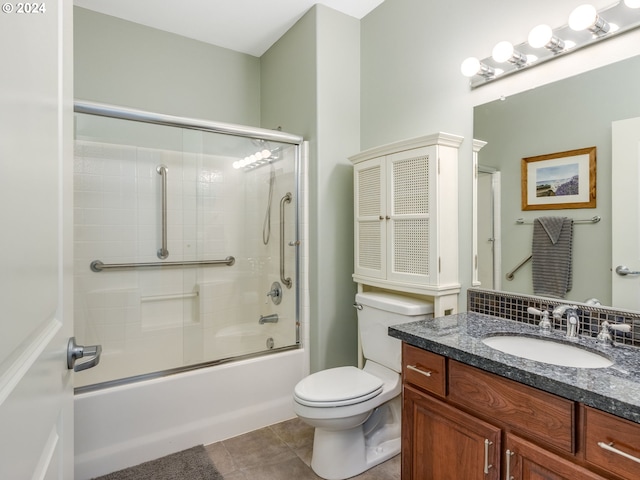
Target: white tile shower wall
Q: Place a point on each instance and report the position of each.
(117, 220)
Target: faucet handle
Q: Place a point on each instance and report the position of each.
(544, 324)
(604, 335)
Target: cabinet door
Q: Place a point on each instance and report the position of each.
(612, 443)
(525, 461)
(370, 218)
(440, 442)
(411, 256)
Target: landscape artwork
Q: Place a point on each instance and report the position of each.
(557, 181)
(560, 180)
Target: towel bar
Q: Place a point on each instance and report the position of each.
(594, 219)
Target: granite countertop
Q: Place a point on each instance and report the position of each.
(614, 389)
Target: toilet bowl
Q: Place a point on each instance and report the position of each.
(357, 412)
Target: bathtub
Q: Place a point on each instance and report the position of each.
(126, 425)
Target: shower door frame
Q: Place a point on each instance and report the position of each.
(124, 113)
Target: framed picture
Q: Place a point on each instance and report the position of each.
(559, 180)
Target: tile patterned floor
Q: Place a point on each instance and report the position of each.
(280, 452)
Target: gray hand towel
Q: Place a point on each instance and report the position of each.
(551, 256)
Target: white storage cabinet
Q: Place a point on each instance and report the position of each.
(406, 218)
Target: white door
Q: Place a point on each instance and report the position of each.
(625, 213)
(36, 141)
(485, 231)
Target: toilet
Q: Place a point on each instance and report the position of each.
(357, 412)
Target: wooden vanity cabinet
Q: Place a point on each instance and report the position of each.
(622, 438)
(460, 422)
(446, 443)
(524, 460)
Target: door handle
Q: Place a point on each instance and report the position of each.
(623, 271)
(75, 351)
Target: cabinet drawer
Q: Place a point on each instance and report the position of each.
(424, 369)
(540, 415)
(620, 434)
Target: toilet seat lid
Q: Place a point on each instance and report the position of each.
(336, 387)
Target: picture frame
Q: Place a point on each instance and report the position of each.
(559, 180)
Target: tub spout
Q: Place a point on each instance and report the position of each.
(273, 318)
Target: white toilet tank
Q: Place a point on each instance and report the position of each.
(379, 311)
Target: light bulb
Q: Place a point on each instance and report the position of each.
(540, 36)
(470, 66)
(632, 3)
(583, 17)
(266, 153)
(502, 52)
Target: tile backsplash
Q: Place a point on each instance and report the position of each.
(514, 307)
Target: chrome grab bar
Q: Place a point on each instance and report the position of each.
(286, 199)
(163, 252)
(98, 266)
(510, 274)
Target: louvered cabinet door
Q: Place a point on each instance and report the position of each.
(409, 250)
(370, 218)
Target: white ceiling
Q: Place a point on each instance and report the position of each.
(248, 26)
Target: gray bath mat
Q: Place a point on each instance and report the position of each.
(191, 464)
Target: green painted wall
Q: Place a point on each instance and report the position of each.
(310, 86)
(128, 64)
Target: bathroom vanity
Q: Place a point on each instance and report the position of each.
(473, 412)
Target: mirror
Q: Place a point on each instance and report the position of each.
(569, 114)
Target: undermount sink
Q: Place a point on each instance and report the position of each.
(547, 351)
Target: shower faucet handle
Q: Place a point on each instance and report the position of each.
(275, 293)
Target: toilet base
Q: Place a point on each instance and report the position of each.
(341, 454)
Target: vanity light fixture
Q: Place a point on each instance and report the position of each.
(257, 159)
(545, 43)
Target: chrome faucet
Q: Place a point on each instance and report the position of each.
(273, 318)
(573, 324)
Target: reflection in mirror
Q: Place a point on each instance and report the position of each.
(570, 114)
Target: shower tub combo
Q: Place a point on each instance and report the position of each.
(189, 251)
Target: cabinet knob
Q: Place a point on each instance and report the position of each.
(381, 217)
(388, 217)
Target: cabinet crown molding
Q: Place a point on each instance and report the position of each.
(439, 138)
